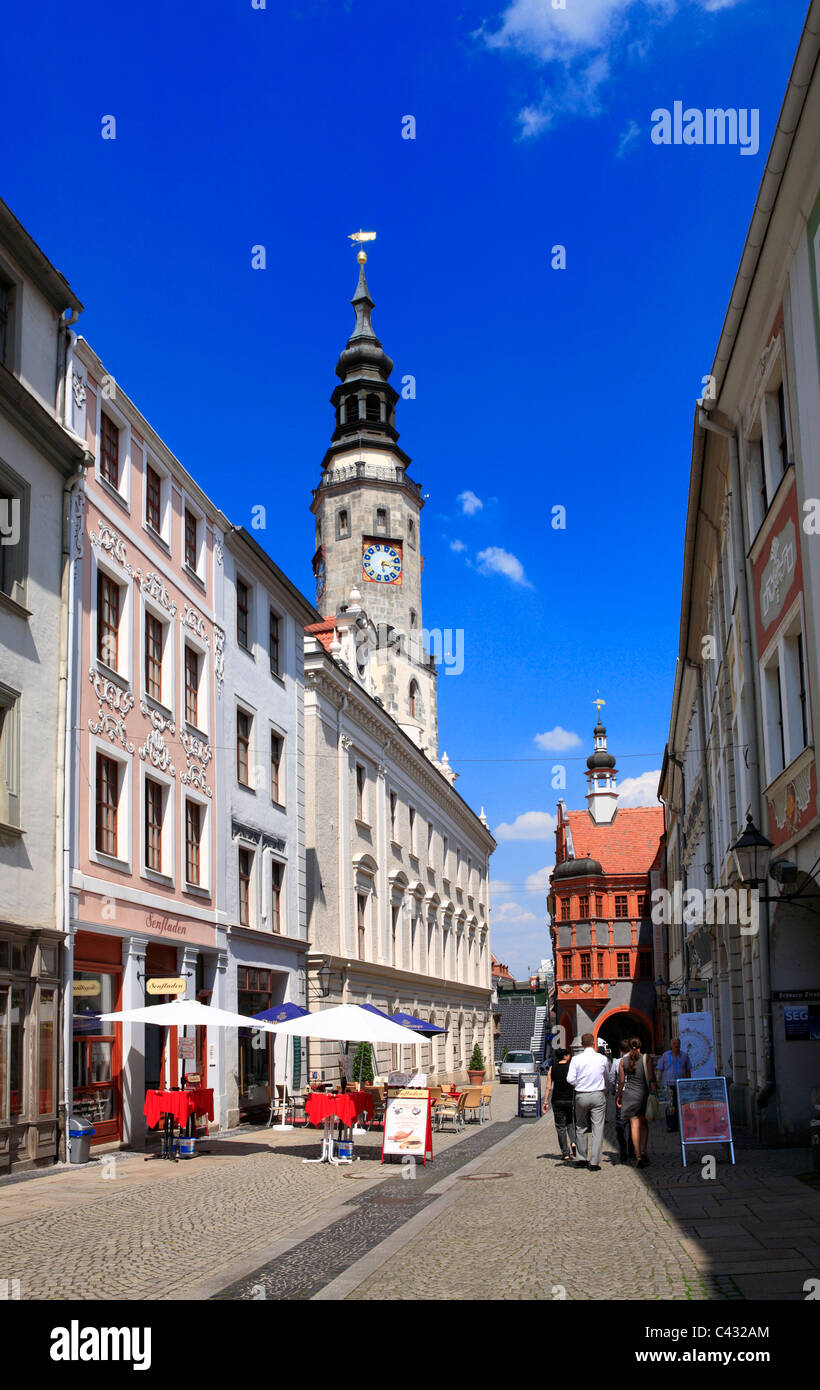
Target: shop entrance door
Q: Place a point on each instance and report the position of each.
(96, 1052)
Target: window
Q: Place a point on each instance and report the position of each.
(565, 909)
(412, 810)
(393, 804)
(430, 842)
(243, 601)
(601, 970)
(394, 925)
(108, 791)
(586, 966)
(794, 673)
(583, 906)
(351, 409)
(411, 530)
(191, 539)
(343, 523)
(621, 905)
(153, 826)
(622, 958)
(414, 690)
(47, 1051)
(7, 294)
(642, 900)
(243, 743)
(13, 535)
(361, 781)
(361, 923)
(191, 685)
(644, 965)
(381, 518)
(445, 850)
(245, 872)
(193, 842)
(566, 967)
(9, 759)
(276, 871)
(372, 407)
(273, 642)
(153, 494)
(108, 619)
(109, 451)
(154, 635)
(775, 741)
(277, 743)
(599, 905)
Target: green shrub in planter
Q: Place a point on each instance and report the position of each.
(477, 1060)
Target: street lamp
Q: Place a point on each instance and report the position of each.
(750, 851)
(324, 978)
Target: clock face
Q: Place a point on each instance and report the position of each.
(381, 562)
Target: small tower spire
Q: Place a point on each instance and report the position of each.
(602, 792)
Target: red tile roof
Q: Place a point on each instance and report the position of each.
(627, 846)
(323, 632)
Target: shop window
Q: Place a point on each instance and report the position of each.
(254, 996)
(94, 1043)
(47, 1044)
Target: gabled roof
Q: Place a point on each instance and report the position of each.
(323, 632)
(628, 845)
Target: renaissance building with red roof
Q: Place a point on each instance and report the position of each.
(607, 862)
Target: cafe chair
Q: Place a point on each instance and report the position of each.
(281, 1104)
(473, 1102)
(486, 1102)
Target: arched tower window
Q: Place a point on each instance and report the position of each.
(351, 409)
(414, 692)
(372, 408)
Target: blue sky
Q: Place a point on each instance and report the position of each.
(536, 387)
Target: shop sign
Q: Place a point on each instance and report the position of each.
(802, 1022)
(155, 922)
(85, 989)
(786, 996)
(166, 984)
(186, 1050)
(407, 1127)
(703, 1106)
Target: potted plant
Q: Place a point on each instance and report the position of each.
(475, 1070)
(362, 1069)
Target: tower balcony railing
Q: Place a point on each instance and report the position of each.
(346, 470)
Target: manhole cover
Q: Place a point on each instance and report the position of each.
(482, 1177)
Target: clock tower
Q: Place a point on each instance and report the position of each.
(367, 511)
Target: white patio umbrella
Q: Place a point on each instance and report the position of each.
(346, 1023)
(183, 1011)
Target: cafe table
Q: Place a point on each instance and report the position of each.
(176, 1107)
(344, 1106)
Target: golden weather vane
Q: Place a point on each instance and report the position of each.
(599, 702)
(361, 236)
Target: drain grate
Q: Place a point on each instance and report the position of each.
(482, 1177)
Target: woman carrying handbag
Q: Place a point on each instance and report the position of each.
(638, 1096)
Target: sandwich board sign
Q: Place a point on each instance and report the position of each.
(407, 1125)
(703, 1106)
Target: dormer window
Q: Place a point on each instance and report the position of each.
(351, 409)
(372, 408)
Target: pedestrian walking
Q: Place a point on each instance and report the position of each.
(623, 1128)
(563, 1100)
(673, 1066)
(589, 1074)
(635, 1086)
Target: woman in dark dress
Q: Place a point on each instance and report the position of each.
(563, 1103)
(636, 1078)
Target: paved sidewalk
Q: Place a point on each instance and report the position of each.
(523, 1225)
(121, 1228)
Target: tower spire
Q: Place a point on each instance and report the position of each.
(602, 792)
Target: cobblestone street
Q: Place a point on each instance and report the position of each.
(495, 1216)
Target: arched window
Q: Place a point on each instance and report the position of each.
(372, 408)
(414, 690)
(351, 409)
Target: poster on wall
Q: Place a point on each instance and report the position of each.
(407, 1127)
(703, 1106)
(697, 1042)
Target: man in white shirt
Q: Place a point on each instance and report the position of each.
(589, 1074)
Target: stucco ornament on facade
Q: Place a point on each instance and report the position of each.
(155, 749)
(775, 581)
(78, 387)
(195, 622)
(789, 804)
(152, 585)
(198, 755)
(219, 659)
(77, 524)
(120, 702)
(112, 544)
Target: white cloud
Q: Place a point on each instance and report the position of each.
(498, 885)
(639, 791)
(457, 545)
(539, 881)
(507, 913)
(628, 138)
(581, 46)
(557, 740)
(470, 504)
(494, 560)
(530, 825)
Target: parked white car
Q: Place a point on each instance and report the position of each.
(514, 1063)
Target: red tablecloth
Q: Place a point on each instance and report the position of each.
(180, 1104)
(347, 1106)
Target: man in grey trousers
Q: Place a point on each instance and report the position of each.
(589, 1074)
